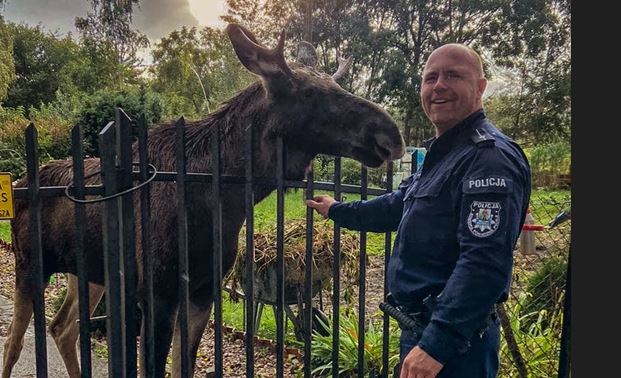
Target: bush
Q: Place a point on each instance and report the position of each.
(549, 162)
(537, 335)
(321, 349)
(100, 109)
(323, 169)
(544, 289)
(54, 137)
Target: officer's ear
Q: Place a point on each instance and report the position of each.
(482, 84)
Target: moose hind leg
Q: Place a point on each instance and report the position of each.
(198, 316)
(65, 328)
(165, 310)
(22, 312)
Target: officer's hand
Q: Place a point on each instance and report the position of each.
(321, 204)
(418, 364)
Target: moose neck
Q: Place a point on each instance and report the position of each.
(250, 108)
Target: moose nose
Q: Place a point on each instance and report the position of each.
(388, 148)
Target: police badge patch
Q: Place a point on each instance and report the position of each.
(484, 218)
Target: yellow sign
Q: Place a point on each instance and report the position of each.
(7, 208)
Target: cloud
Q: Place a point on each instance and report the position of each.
(155, 18)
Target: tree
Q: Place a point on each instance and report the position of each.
(195, 70)
(7, 65)
(539, 111)
(42, 65)
(107, 31)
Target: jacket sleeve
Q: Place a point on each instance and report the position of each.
(380, 214)
(490, 205)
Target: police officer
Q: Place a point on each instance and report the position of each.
(457, 221)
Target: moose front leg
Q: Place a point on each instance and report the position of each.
(198, 316)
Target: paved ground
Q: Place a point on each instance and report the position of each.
(26, 366)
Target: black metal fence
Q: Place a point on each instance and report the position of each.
(526, 336)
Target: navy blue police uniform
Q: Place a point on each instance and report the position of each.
(457, 221)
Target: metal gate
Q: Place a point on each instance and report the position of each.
(121, 178)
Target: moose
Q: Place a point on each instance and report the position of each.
(295, 101)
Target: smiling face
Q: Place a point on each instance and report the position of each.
(452, 86)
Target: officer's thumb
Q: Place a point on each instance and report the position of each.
(311, 203)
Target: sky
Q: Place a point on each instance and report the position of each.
(155, 18)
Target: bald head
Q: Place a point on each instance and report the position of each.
(452, 85)
(469, 56)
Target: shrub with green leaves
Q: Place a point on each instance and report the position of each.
(544, 288)
(323, 169)
(54, 136)
(548, 162)
(537, 335)
(100, 109)
(321, 349)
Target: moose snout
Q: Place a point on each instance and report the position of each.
(389, 147)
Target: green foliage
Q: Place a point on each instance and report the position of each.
(7, 65)
(538, 341)
(42, 65)
(5, 230)
(54, 136)
(548, 162)
(545, 288)
(107, 29)
(196, 70)
(351, 172)
(100, 109)
(321, 348)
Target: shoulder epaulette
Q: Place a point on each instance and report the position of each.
(482, 138)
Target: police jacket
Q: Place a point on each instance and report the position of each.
(457, 221)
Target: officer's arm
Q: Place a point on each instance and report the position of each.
(380, 214)
(489, 223)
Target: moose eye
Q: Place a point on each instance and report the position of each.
(307, 93)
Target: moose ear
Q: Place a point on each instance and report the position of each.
(256, 58)
(306, 54)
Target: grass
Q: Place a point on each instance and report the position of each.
(233, 315)
(5, 230)
(546, 204)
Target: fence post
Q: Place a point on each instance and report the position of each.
(80, 252)
(34, 197)
(128, 235)
(148, 330)
(112, 257)
(564, 362)
(217, 249)
(182, 235)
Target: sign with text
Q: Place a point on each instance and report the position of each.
(7, 208)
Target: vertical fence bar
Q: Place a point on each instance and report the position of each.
(114, 324)
(34, 198)
(217, 250)
(147, 342)
(336, 275)
(414, 162)
(387, 252)
(308, 277)
(280, 259)
(363, 273)
(249, 287)
(128, 235)
(80, 252)
(564, 353)
(182, 235)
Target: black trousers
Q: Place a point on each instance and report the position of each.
(480, 361)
